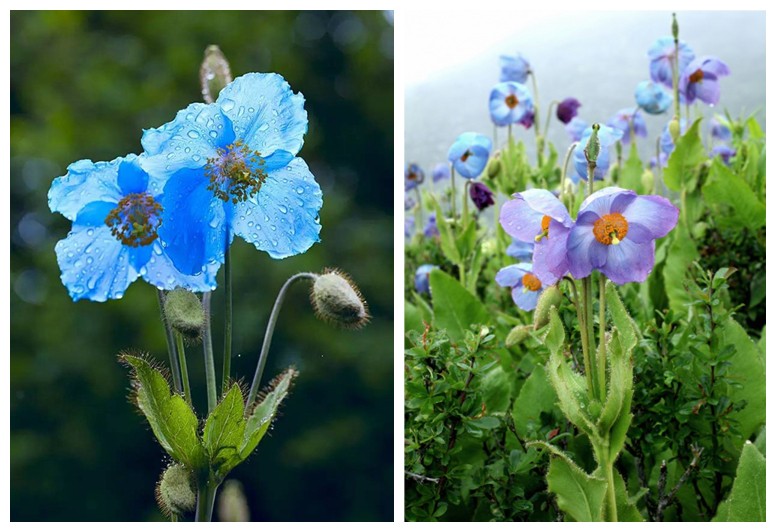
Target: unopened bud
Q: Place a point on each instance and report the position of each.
(184, 313)
(214, 74)
(336, 299)
(549, 298)
(175, 491)
(232, 505)
(518, 335)
(675, 28)
(673, 128)
(494, 166)
(593, 147)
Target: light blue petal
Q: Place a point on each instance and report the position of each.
(282, 219)
(95, 265)
(512, 275)
(94, 213)
(266, 114)
(194, 222)
(132, 179)
(84, 183)
(188, 141)
(162, 273)
(525, 299)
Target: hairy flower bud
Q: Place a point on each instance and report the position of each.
(183, 311)
(494, 165)
(673, 128)
(232, 506)
(336, 299)
(214, 74)
(550, 297)
(675, 28)
(593, 147)
(175, 491)
(518, 335)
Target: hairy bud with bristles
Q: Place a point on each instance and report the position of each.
(183, 311)
(214, 74)
(336, 299)
(550, 297)
(175, 491)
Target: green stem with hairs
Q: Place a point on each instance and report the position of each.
(207, 349)
(184, 368)
(227, 320)
(563, 176)
(601, 335)
(452, 190)
(549, 115)
(171, 348)
(539, 138)
(206, 497)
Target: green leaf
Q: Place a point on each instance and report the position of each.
(742, 208)
(747, 367)
(224, 432)
(620, 384)
(755, 131)
(413, 319)
(632, 170)
(455, 309)
(746, 501)
(172, 420)
(496, 389)
(261, 418)
(426, 313)
(536, 396)
(626, 507)
(487, 422)
(446, 238)
(466, 240)
(629, 333)
(579, 495)
(688, 154)
(681, 254)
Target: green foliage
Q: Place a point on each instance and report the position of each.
(632, 171)
(223, 433)
(455, 309)
(746, 501)
(688, 154)
(734, 199)
(580, 496)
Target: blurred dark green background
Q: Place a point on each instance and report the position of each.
(83, 86)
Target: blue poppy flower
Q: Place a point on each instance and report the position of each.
(575, 128)
(661, 57)
(720, 128)
(607, 136)
(422, 282)
(725, 153)
(413, 176)
(526, 287)
(522, 251)
(409, 225)
(469, 154)
(653, 98)
(514, 68)
(440, 172)
(509, 103)
(700, 79)
(117, 214)
(232, 171)
(624, 120)
(431, 230)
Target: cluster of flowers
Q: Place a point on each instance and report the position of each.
(169, 215)
(615, 233)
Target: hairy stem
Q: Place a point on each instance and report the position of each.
(227, 321)
(184, 368)
(171, 349)
(207, 349)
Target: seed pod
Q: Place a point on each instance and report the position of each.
(336, 299)
(550, 297)
(175, 491)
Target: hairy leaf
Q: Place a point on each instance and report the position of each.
(746, 501)
(259, 421)
(455, 309)
(224, 432)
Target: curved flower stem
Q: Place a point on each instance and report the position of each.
(539, 138)
(601, 335)
(184, 369)
(419, 223)
(227, 320)
(549, 115)
(563, 175)
(587, 297)
(452, 187)
(206, 497)
(465, 205)
(174, 368)
(207, 348)
(273, 318)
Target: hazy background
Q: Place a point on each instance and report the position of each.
(84, 85)
(596, 57)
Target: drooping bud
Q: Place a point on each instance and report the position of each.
(673, 128)
(518, 335)
(175, 490)
(336, 299)
(232, 505)
(550, 297)
(494, 165)
(593, 147)
(183, 311)
(214, 74)
(675, 27)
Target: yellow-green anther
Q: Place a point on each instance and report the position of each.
(214, 74)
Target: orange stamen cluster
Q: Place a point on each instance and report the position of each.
(136, 219)
(511, 101)
(235, 173)
(531, 282)
(545, 229)
(465, 156)
(610, 228)
(696, 76)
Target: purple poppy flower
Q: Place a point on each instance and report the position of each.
(725, 152)
(661, 58)
(615, 233)
(522, 251)
(622, 121)
(567, 109)
(654, 161)
(700, 79)
(481, 195)
(469, 154)
(653, 98)
(509, 102)
(413, 176)
(537, 216)
(607, 136)
(422, 284)
(440, 172)
(666, 140)
(514, 68)
(575, 128)
(528, 118)
(431, 230)
(720, 128)
(526, 287)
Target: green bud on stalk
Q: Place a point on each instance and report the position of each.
(518, 335)
(494, 165)
(336, 299)
(175, 491)
(214, 74)
(183, 311)
(673, 128)
(549, 298)
(593, 147)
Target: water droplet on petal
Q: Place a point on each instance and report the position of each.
(227, 104)
(283, 209)
(194, 134)
(264, 127)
